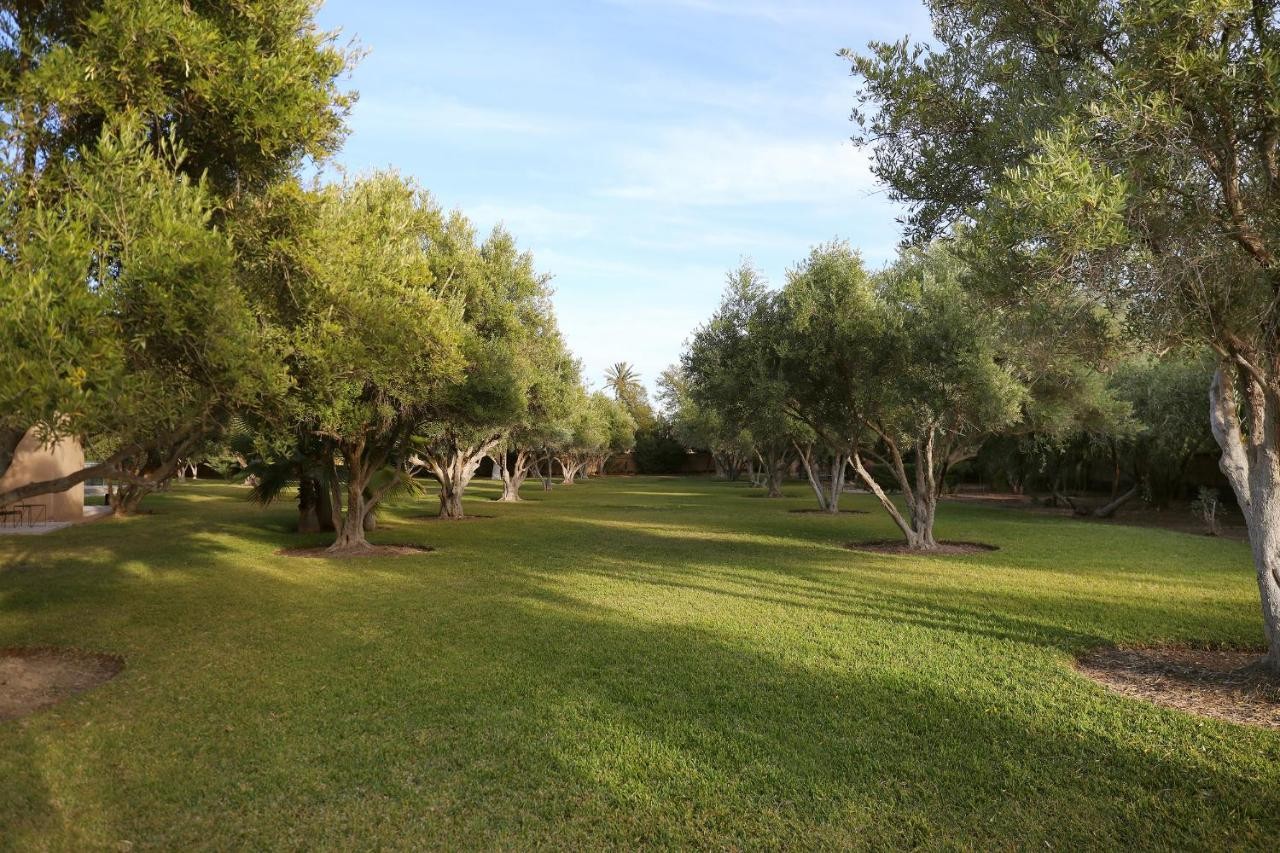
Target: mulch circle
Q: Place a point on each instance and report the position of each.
(814, 511)
(944, 549)
(35, 678)
(323, 553)
(1228, 685)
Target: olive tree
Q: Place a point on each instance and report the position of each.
(376, 339)
(588, 435)
(1126, 152)
(732, 370)
(230, 98)
(544, 423)
(123, 320)
(506, 315)
(903, 369)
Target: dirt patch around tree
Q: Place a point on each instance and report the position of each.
(323, 553)
(471, 517)
(944, 549)
(1227, 685)
(36, 678)
(815, 511)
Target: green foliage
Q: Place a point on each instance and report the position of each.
(1167, 399)
(135, 135)
(377, 339)
(127, 324)
(894, 357)
(509, 340)
(1119, 156)
(730, 393)
(249, 87)
(658, 452)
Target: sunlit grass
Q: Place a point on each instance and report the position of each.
(629, 662)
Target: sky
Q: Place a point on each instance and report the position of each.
(640, 149)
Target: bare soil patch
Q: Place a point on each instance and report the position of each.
(35, 678)
(323, 552)
(1226, 685)
(810, 510)
(944, 549)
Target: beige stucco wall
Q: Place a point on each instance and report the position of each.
(33, 462)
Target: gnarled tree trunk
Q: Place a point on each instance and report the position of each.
(1251, 462)
(921, 496)
(569, 467)
(454, 468)
(349, 525)
(774, 462)
(513, 475)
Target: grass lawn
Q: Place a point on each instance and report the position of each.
(630, 662)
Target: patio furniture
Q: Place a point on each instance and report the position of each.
(33, 510)
(11, 515)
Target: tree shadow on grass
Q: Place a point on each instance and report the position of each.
(667, 734)
(820, 574)
(615, 686)
(27, 811)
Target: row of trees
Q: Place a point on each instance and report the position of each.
(897, 377)
(1111, 159)
(1084, 182)
(172, 286)
(848, 371)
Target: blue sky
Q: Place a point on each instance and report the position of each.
(639, 148)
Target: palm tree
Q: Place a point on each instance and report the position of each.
(623, 380)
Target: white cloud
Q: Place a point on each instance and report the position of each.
(417, 112)
(533, 224)
(725, 166)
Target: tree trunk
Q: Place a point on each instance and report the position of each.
(513, 476)
(839, 464)
(308, 505)
(351, 532)
(451, 503)
(774, 464)
(1110, 508)
(722, 472)
(453, 468)
(127, 500)
(924, 509)
(350, 524)
(1251, 463)
(815, 479)
(922, 499)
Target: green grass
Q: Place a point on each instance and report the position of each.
(631, 662)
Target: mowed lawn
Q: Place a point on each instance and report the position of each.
(629, 662)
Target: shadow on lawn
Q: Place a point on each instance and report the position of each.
(26, 803)
(669, 734)
(516, 707)
(816, 573)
